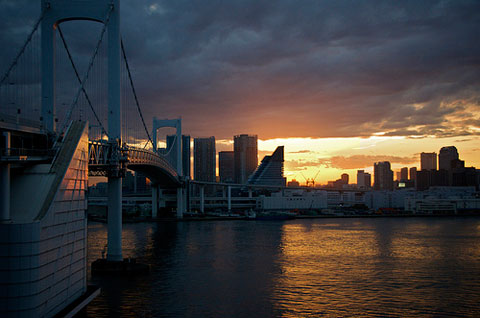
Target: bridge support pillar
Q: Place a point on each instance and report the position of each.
(229, 199)
(202, 199)
(5, 183)
(154, 201)
(180, 201)
(114, 252)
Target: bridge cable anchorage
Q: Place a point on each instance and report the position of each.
(22, 50)
(135, 95)
(85, 77)
(80, 81)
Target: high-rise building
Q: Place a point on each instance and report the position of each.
(368, 180)
(428, 161)
(226, 166)
(364, 179)
(344, 177)
(446, 156)
(172, 153)
(383, 176)
(186, 155)
(245, 156)
(413, 173)
(204, 161)
(270, 170)
(398, 175)
(404, 174)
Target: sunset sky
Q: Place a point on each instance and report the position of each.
(341, 84)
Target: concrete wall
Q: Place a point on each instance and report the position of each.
(43, 261)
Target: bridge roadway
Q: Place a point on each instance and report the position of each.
(103, 157)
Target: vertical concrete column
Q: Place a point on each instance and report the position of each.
(115, 135)
(229, 190)
(154, 201)
(180, 208)
(249, 192)
(114, 252)
(5, 183)
(202, 199)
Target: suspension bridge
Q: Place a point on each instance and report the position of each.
(47, 97)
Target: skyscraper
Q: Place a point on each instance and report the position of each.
(428, 161)
(413, 173)
(204, 159)
(404, 174)
(172, 153)
(446, 156)
(344, 177)
(383, 176)
(270, 170)
(364, 179)
(245, 156)
(226, 166)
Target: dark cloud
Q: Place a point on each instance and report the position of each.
(288, 68)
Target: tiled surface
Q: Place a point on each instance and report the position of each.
(42, 265)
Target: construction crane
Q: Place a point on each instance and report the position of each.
(310, 182)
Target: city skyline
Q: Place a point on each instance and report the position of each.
(339, 84)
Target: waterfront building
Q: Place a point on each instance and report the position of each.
(226, 166)
(43, 241)
(245, 156)
(204, 159)
(383, 176)
(270, 170)
(428, 161)
(446, 156)
(305, 201)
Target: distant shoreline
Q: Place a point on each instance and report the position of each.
(299, 217)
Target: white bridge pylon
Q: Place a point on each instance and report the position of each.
(107, 12)
(181, 195)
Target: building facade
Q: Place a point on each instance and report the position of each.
(270, 170)
(446, 156)
(245, 156)
(383, 176)
(204, 161)
(428, 161)
(226, 166)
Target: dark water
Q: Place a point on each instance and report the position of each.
(385, 267)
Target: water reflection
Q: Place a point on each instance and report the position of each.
(333, 267)
(379, 267)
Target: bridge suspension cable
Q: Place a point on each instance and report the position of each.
(80, 81)
(85, 77)
(135, 96)
(22, 50)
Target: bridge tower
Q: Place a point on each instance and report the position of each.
(108, 13)
(177, 124)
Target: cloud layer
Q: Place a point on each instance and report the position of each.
(297, 69)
